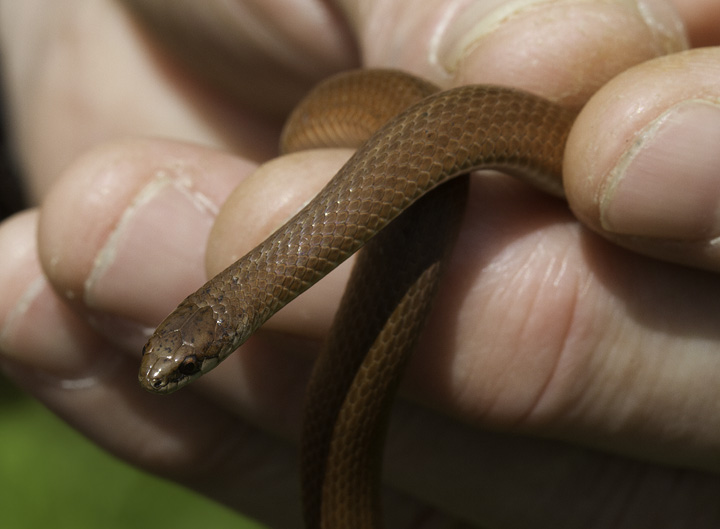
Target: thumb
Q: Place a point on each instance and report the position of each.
(642, 165)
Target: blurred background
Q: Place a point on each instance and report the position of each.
(52, 477)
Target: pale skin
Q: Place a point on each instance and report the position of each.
(602, 363)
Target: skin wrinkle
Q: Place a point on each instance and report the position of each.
(519, 286)
(494, 273)
(534, 411)
(505, 290)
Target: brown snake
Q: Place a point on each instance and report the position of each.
(430, 138)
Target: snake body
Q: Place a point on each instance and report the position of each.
(388, 195)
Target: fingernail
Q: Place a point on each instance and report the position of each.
(667, 184)
(464, 27)
(465, 24)
(155, 254)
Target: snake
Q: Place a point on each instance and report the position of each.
(401, 198)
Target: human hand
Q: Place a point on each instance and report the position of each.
(610, 386)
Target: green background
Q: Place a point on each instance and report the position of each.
(50, 476)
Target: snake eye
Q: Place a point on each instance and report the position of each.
(189, 366)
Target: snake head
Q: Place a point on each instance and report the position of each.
(181, 349)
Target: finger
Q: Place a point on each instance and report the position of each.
(103, 233)
(49, 351)
(651, 182)
(575, 49)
